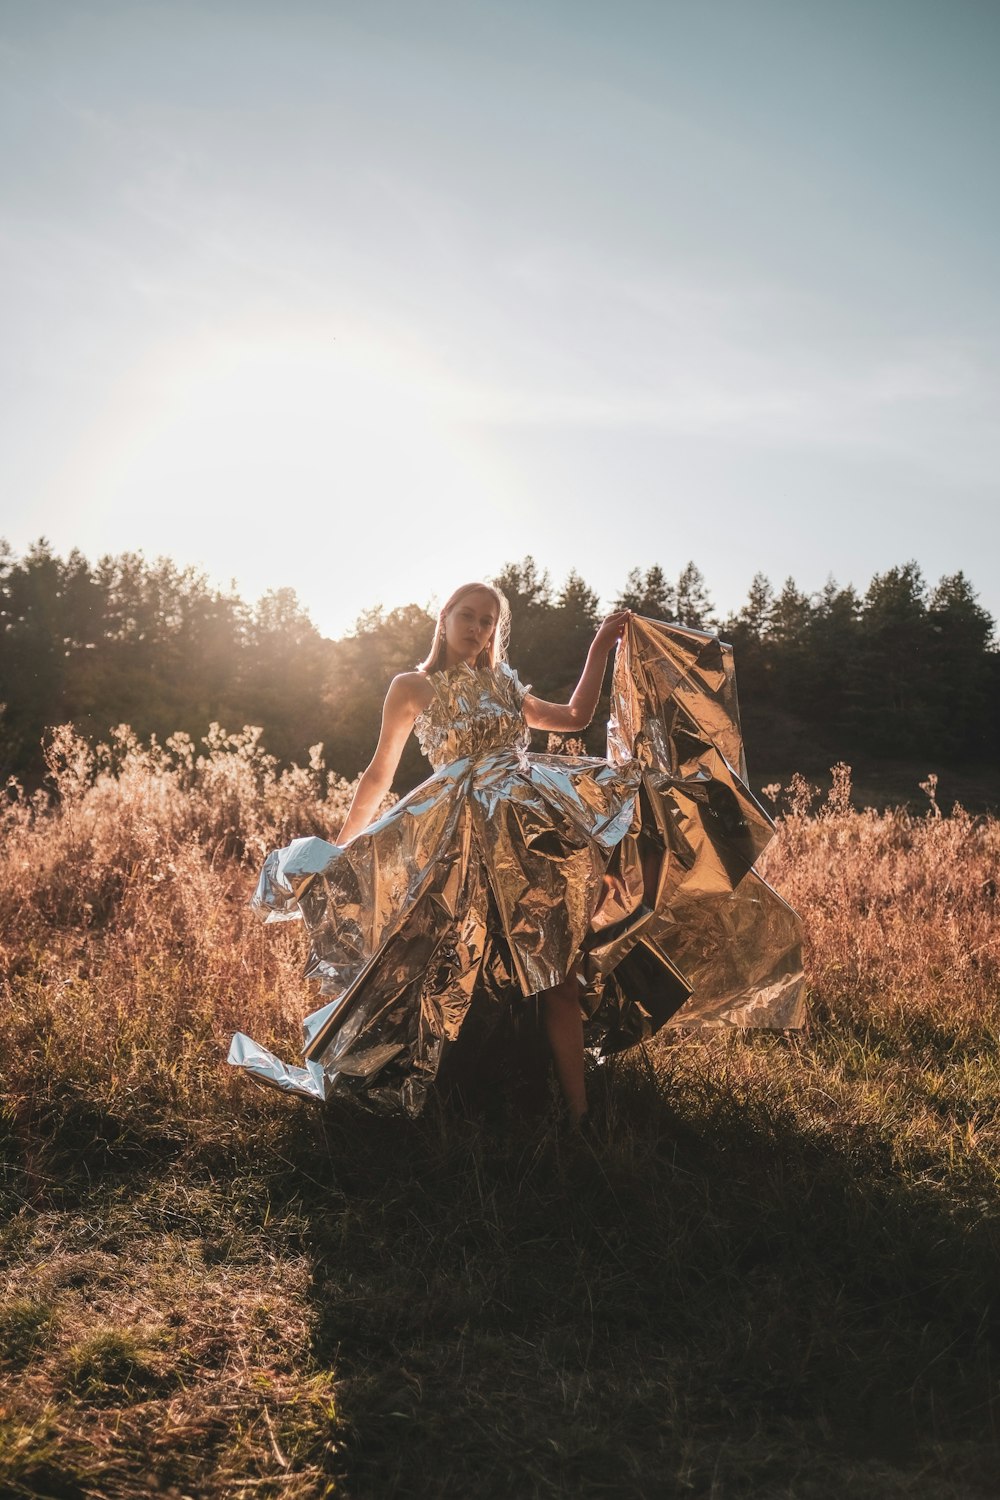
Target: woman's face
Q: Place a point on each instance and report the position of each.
(469, 625)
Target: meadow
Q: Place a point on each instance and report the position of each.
(774, 1272)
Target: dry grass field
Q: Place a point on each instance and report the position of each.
(774, 1274)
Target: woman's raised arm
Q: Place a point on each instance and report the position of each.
(408, 695)
(578, 712)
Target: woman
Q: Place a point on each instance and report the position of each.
(472, 629)
(508, 874)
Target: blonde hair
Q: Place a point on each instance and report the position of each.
(495, 649)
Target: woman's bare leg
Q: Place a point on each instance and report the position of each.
(564, 1029)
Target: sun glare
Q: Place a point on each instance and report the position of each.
(274, 459)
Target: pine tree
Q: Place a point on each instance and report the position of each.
(632, 594)
(831, 688)
(746, 632)
(893, 660)
(755, 616)
(529, 593)
(649, 594)
(694, 608)
(958, 665)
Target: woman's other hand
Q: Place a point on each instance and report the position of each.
(609, 632)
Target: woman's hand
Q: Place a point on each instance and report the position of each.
(609, 632)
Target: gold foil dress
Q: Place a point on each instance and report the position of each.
(494, 876)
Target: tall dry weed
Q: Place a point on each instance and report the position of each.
(782, 1244)
(121, 815)
(129, 954)
(127, 949)
(898, 908)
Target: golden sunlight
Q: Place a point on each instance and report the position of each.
(261, 441)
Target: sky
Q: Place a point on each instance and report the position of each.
(367, 298)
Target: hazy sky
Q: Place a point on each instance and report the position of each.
(366, 297)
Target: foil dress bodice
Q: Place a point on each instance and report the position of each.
(475, 711)
(506, 871)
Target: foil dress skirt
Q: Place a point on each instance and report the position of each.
(490, 880)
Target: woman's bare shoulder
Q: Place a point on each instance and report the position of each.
(410, 690)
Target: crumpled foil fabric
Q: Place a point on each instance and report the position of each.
(505, 868)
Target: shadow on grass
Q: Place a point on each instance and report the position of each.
(714, 1297)
(711, 1298)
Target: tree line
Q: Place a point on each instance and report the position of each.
(902, 668)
